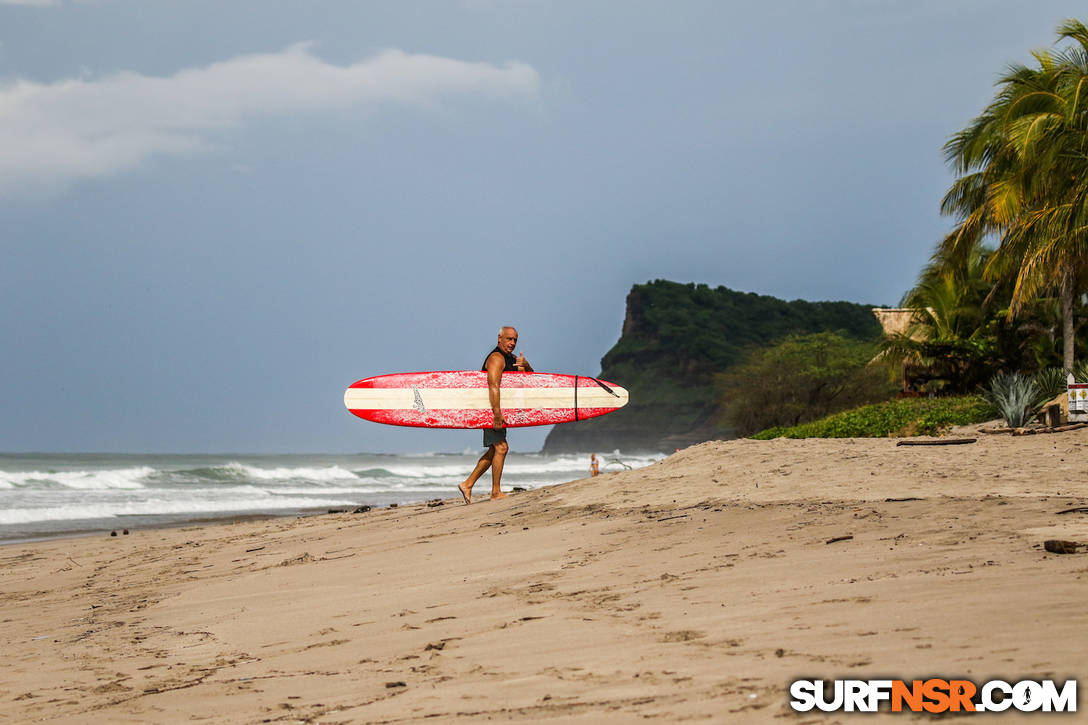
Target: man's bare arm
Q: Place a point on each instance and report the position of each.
(495, 365)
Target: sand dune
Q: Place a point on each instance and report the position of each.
(696, 588)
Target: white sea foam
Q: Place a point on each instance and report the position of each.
(84, 480)
(330, 490)
(519, 464)
(426, 470)
(385, 489)
(38, 489)
(159, 507)
(327, 473)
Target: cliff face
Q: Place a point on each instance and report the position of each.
(675, 338)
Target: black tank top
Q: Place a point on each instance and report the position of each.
(511, 361)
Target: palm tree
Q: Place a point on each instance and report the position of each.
(1023, 180)
(960, 333)
(948, 341)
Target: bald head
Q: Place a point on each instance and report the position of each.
(508, 339)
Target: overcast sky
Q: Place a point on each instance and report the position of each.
(214, 216)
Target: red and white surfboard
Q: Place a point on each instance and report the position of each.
(458, 399)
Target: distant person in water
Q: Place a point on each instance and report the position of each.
(498, 361)
(594, 465)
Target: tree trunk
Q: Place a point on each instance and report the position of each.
(1068, 286)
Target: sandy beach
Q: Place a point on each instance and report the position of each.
(694, 589)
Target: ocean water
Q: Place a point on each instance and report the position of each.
(45, 495)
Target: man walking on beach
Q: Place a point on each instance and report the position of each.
(498, 361)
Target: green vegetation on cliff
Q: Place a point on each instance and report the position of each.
(676, 338)
(801, 378)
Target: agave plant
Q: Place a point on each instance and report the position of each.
(1017, 397)
(1051, 383)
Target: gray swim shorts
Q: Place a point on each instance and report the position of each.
(493, 436)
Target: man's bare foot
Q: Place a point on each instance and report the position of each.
(500, 494)
(466, 491)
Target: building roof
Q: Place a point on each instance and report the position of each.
(896, 320)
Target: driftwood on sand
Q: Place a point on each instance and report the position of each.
(937, 442)
(1057, 546)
